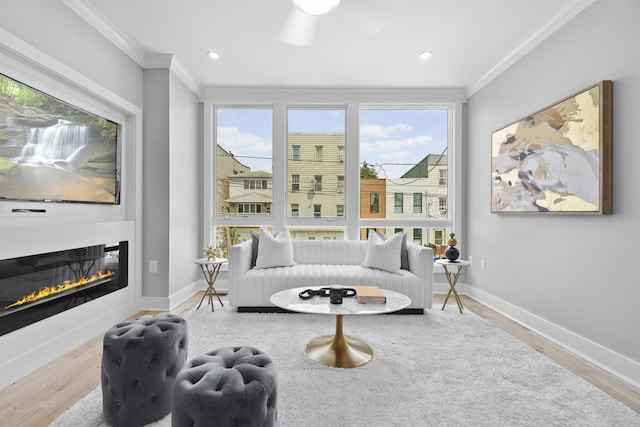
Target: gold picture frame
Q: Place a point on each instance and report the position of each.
(557, 160)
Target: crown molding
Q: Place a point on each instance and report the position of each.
(105, 27)
(172, 63)
(100, 23)
(565, 15)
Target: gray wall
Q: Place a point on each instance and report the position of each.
(171, 182)
(185, 187)
(58, 31)
(577, 272)
(155, 183)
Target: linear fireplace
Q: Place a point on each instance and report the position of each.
(35, 287)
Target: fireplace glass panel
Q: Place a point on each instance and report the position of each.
(35, 287)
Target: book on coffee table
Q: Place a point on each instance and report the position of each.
(370, 295)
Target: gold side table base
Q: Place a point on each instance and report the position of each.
(339, 351)
(452, 278)
(210, 273)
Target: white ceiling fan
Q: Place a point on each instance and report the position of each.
(301, 24)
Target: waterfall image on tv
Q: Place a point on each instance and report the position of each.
(52, 151)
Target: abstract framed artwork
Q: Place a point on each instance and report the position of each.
(557, 160)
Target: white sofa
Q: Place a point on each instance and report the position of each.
(322, 263)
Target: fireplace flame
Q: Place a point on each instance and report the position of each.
(48, 291)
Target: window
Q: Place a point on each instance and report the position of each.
(374, 202)
(406, 151)
(442, 204)
(249, 208)
(235, 158)
(398, 201)
(252, 184)
(443, 177)
(417, 202)
(417, 236)
(398, 230)
(317, 132)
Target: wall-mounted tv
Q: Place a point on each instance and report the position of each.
(51, 151)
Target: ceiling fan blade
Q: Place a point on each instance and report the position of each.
(299, 29)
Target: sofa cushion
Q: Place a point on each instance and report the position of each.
(274, 251)
(404, 252)
(259, 285)
(383, 254)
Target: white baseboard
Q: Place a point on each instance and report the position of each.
(177, 298)
(614, 363)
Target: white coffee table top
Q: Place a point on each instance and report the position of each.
(289, 300)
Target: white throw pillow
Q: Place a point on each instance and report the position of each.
(274, 251)
(383, 254)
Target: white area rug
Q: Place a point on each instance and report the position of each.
(440, 369)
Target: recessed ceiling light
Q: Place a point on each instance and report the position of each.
(213, 54)
(425, 55)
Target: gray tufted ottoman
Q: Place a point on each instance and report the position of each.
(140, 361)
(227, 387)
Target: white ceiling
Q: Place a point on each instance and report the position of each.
(362, 43)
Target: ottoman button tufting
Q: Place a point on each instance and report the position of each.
(229, 386)
(140, 360)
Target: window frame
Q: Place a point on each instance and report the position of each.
(352, 100)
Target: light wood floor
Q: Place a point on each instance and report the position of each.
(40, 397)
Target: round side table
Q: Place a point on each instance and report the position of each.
(210, 269)
(452, 278)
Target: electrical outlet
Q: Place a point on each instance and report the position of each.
(483, 264)
(153, 266)
(470, 260)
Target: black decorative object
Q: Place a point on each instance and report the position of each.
(325, 292)
(452, 253)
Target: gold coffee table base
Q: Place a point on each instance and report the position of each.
(339, 351)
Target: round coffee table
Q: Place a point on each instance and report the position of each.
(338, 350)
